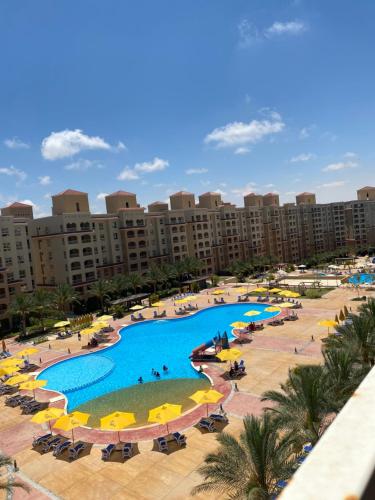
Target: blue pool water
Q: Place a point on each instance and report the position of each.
(360, 279)
(144, 346)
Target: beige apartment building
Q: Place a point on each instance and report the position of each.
(77, 247)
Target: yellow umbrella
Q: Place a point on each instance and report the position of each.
(260, 290)
(17, 379)
(71, 421)
(181, 301)
(61, 324)
(286, 305)
(47, 415)
(32, 385)
(328, 323)
(294, 295)
(218, 292)
(206, 397)
(117, 421)
(275, 290)
(137, 307)
(28, 351)
(9, 371)
(90, 331)
(99, 325)
(157, 304)
(104, 317)
(241, 289)
(164, 413)
(285, 293)
(252, 313)
(11, 362)
(190, 298)
(239, 324)
(272, 309)
(229, 354)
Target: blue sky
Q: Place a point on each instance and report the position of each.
(157, 96)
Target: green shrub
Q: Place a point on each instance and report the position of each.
(313, 293)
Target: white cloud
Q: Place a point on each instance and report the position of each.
(69, 143)
(269, 185)
(248, 34)
(242, 191)
(220, 191)
(38, 210)
(101, 196)
(302, 157)
(305, 132)
(341, 165)
(127, 174)
(44, 180)
(120, 146)
(12, 171)
(332, 184)
(151, 166)
(15, 143)
(350, 154)
(47, 196)
(287, 28)
(238, 134)
(83, 164)
(241, 151)
(196, 171)
(290, 193)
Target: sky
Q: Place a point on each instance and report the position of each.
(156, 96)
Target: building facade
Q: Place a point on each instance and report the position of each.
(77, 247)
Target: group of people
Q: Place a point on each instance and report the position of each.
(237, 368)
(155, 373)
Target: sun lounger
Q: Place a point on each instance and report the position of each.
(127, 450)
(107, 451)
(218, 417)
(6, 389)
(38, 440)
(16, 400)
(179, 438)
(162, 444)
(75, 450)
(61, 447)
(51, 443)
(206, 423)
(31, 407)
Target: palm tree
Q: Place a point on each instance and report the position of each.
(135, 281)
(9, 484)
(358, 337)
(101, 290)
(302, 404)
(368, 309)
(64, 296)
(169, 273)
(343, 376)
(42, 300)
(120, 284)
(154, 276)
(22, 306)
(250, 467)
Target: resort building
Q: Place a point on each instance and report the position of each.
(77, 247)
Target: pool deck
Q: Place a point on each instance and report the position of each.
(150, 474)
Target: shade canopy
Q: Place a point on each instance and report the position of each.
(252, 313)
(239, 324)
(137, 307)
(275, 290)
(17, 379)
(9, 370)
(206, 397)
(100, 324)
(28, 351)
(10, 362)
(164, 413)
(157, 304)
(104, 317)
(72, 420)
(32, 385)
(47, 415)
(61, 324)
(272, 309)
(91, 330)
(286, 305)
(218, 292)
(229, 354)
(260, 290)
(241, 289)
(327, 323)
(117, 421)
(182, 301)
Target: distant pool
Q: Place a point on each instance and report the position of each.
(144, 346)
(361, 278)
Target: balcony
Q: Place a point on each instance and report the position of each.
(342, 464)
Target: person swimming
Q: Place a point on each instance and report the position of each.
(140, 380)
(165, 368)
(157, 374)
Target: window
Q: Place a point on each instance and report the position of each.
(6, 247)
(115, 236)
(4, 231)
(8, 261)
(19, 245)
(78, 207)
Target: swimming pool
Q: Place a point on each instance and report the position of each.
(361, 279)
(144, 346)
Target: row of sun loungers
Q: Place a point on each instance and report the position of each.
(263, 299)
(58, 444)
(208, 423)
(291, 317)
(243, 299)
(161, 315)
(140, 317)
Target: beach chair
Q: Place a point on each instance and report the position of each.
(162, 444)
(6, 389)
(179, 438)
(107, 451)
(61, 447)
(30, 408)
(16, 400)
(218, 417)
(163, 314)
(75, 450)
(51, 443)
(206, 423)
(127, 450)
(38, 440)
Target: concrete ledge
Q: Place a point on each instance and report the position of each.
(342, 464)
